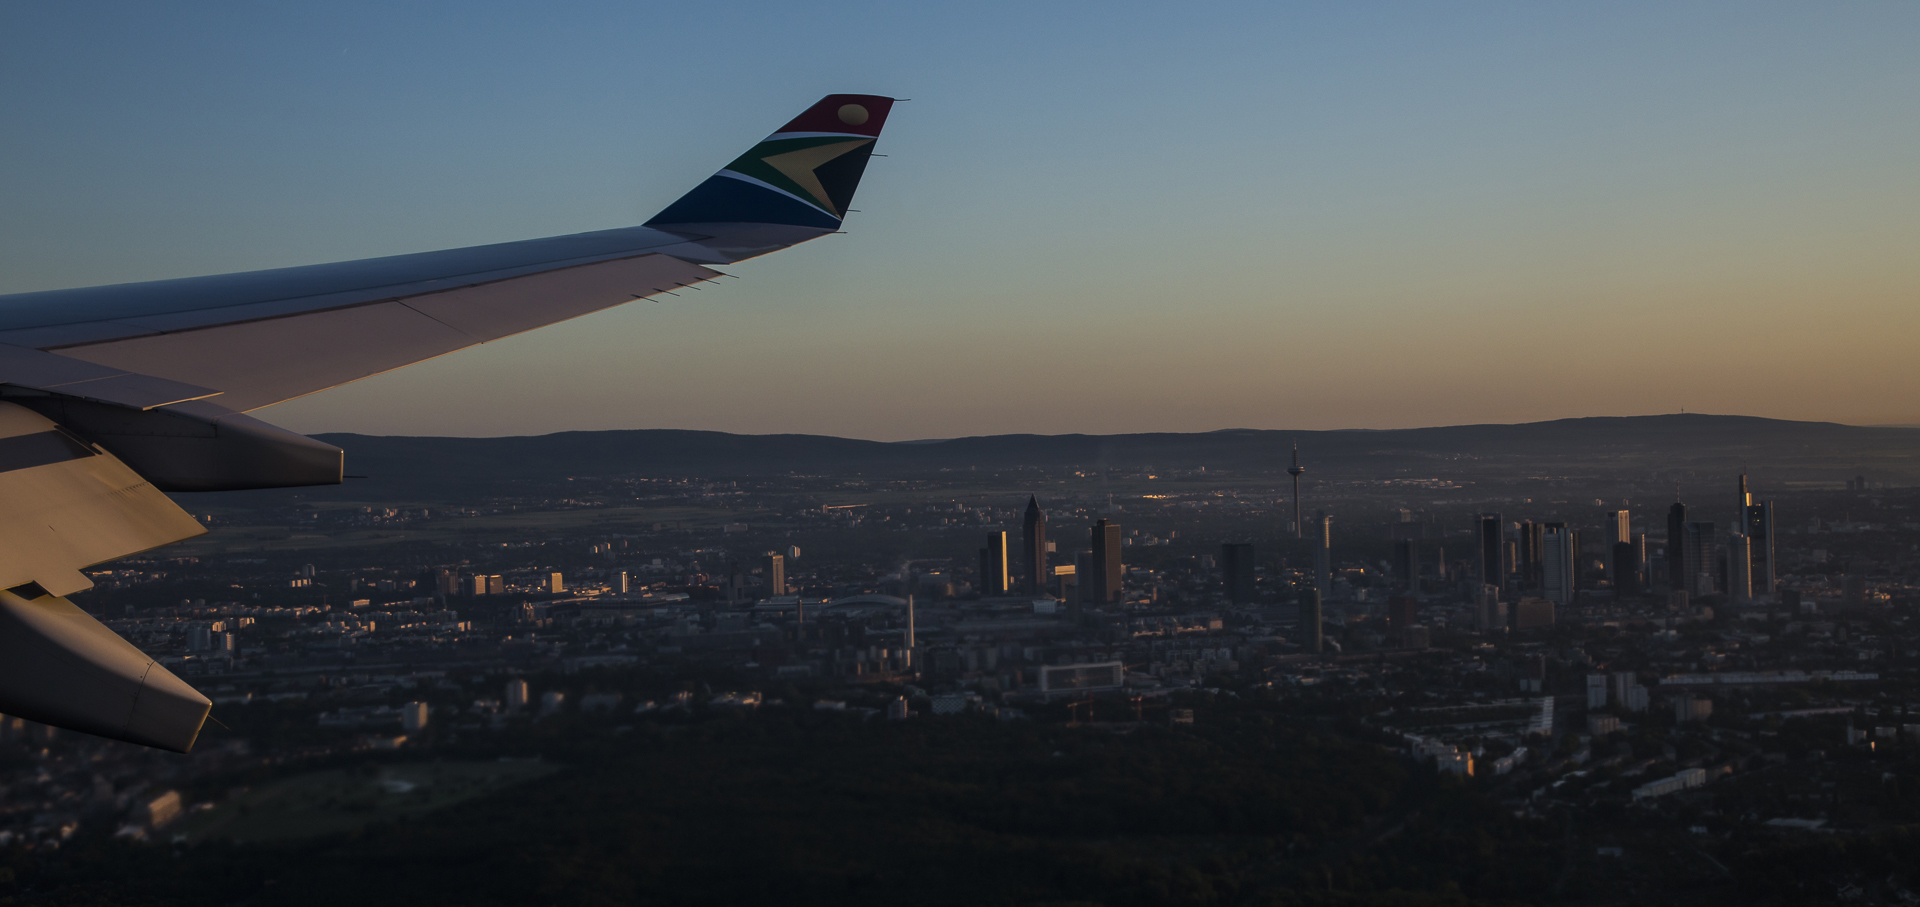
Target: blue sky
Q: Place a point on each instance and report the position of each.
(1093, 217)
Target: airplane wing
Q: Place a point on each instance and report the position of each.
(115, 394)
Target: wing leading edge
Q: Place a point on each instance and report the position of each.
(153, 382)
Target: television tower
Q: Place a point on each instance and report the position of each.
(1299, 530)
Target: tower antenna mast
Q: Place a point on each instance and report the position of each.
(1299, 529)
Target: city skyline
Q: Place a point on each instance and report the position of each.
(1574, 191)
(605, 619)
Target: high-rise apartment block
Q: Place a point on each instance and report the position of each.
(1623, 682)
(773, 569)
(413, 717)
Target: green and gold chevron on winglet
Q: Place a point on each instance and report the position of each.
(794, 165)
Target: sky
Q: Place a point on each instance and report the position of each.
(1091, 218)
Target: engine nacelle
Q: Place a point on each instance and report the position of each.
(196, 446)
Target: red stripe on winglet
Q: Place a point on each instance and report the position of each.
(825, 116)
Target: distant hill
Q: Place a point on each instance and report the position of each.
(1824, 450)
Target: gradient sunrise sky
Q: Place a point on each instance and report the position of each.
(1092, 217)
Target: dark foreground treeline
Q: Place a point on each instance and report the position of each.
(801, 807)
(1260, 803)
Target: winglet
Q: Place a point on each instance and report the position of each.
(802, 175)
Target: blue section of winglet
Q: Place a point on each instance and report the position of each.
(724, 200)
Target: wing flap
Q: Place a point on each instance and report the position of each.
(36, 370)
(60, 515)
(265, 362)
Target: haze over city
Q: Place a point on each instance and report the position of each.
(1090, 219)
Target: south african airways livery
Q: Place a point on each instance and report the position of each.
(111, 396)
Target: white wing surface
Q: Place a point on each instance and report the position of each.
(111, 395)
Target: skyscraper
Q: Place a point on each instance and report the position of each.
(1311, 636)
(1323, 554)
(1623, 563)
(1679, 579)
(1403, 611)
(1557, 563)
(1527, 553)
(993, 565)
(1491, 533)
(1299, 531)
(1488, 612)
(1739, 568)
(1406, 564)
(774, 569)
(1106, 581)
(1759, 527)
(1579, 546)
(1083, 576)
(1640, 553)
(1696, 552)
(1619, 528)
(1236, 569)
(1033, 549)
